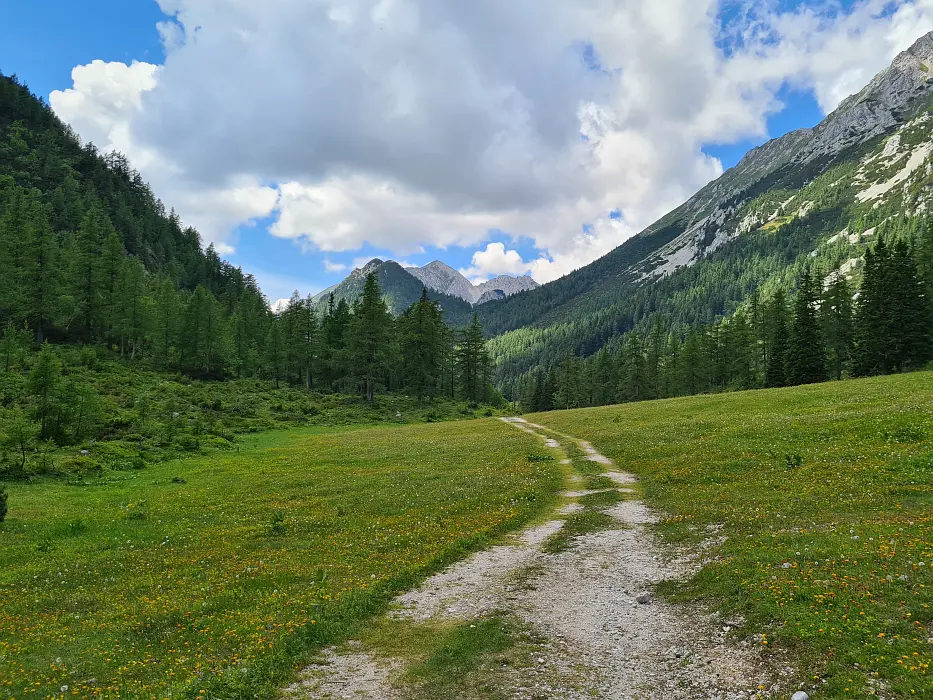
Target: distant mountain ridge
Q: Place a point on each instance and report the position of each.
(443, 278)
(402, 287)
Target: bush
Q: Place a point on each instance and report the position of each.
(82, 465)
(3, 498)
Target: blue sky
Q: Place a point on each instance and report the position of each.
(43, 41)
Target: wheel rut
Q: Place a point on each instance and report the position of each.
(598, 630)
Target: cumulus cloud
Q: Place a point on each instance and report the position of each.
(412, 123)
(104, 104)
(493, 261)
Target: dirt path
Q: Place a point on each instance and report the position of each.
(601, 633)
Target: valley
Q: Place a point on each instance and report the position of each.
(797, 520)
(698, 466)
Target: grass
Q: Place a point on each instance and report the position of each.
(828, 556)
(466, 659)
(577, 524)
(462, 651)
(216, 576)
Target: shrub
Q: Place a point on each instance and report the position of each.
(277, 524)
(3, 499)
(82, 465)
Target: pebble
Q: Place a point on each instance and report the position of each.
(800, 695)
(643, 598)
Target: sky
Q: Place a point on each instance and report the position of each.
(304, 137)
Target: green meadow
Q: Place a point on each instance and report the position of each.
(217, 575)
(220, 575)
(824, 495)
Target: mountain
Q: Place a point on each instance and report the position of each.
(778, 210)
(443, 278)
(401, 287)
(400, 290)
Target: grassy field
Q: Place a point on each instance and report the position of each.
(214, 576)
(825, 495)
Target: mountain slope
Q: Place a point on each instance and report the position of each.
(442, 278)
(400, 290)
(746, 230)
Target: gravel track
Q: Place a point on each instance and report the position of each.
(606, 635)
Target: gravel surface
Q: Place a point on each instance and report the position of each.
(607, 636)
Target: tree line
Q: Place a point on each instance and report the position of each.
(363, 348)
(89, 256)
(827, 331)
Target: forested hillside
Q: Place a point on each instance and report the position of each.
(808, 204)
(98, 281)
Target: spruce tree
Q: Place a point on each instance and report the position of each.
(871, 354)
(39, 275)
(836, 321)
(776, 324)
(43, 386)
(805, 361)
(274, 355)
(369, 337)
(84, 274)
(473, 362)
(908, 319)
(422, 337)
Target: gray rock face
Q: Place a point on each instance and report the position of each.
(503, 286)
(443, 278)
(875, 110)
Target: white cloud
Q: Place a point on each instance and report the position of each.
(413, 123)
(104, 104)
(332, 266)
(493, 261)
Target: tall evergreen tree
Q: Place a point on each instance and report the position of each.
(805, 361)
(422, 339)
(370, 336)
(836, 321)
(776, 325)
(909, 317)
(473, 363)
(274, 363)
(871, 353)
(39, 275)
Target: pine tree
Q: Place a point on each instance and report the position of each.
(43, 386)
(308, 342)
(806, 358)
(473, 363)
(39, 275)
(422, 337)
(738, 353)
(131, 320)
(165, 324)
(111, 269)
(84, 279)
(333, 342)
(605, 379)
(274, 355)
(370, 335)
(776, 324)
(909, 319)
(836, 321)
